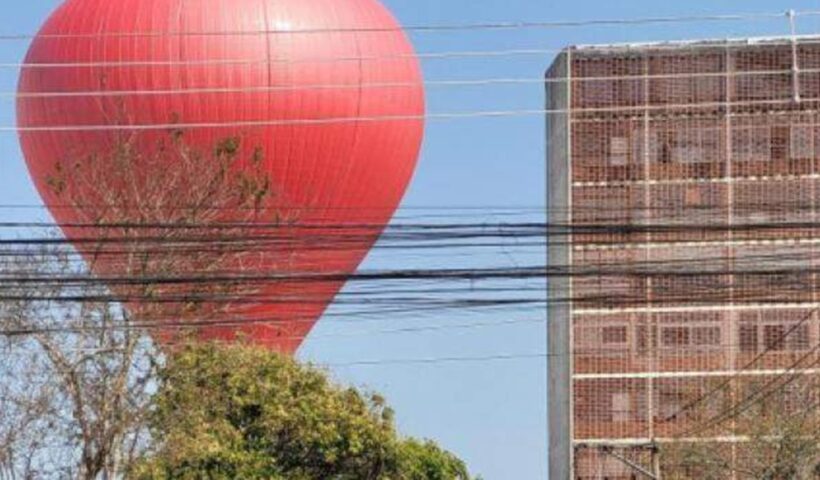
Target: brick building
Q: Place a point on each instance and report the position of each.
(689, 174)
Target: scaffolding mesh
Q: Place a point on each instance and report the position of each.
(689, 175)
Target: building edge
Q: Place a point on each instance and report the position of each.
(559, 332)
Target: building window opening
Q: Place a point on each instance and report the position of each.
(618, 151)
(614, 335)
(621, 407)
(801, 144)
(752, 144)
(773, 337)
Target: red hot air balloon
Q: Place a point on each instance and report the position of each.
(330, 90)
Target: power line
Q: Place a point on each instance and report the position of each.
(615, 303)
(458, 210)
(308, 236)
(41, 330)
(477, 82)
(749, 400)
(509, 25)
(769, 348)
(400, 118)
(722, 45)
(439, 360)
(465, 54)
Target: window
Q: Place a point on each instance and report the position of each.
(752, 144)
(773, 337)
(694, 145)
(642, 339)
(596, 93)
(748, 338)
(613, 335)
(621, 407)
(799, 338)
(706, 336)
(816, 151)
(675, 336)
(601, 338)
(694, 336)
(618, 151)
(801, 143)
(687, 148)
(669, 404)
(685, 145)
(653, 143)
(692, 196)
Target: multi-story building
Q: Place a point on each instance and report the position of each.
(687, 176)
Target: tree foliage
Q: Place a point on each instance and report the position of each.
(778, 429)
(242, 412)
(77, 366)
(79, 370)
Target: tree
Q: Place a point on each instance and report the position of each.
(427, 461)
(243, 412)
(76, 360)
(777, 423)
(80, 328)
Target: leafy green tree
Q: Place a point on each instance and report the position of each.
(425, 460)
(777, 422)
(243, 412)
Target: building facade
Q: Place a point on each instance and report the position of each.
(684, 181)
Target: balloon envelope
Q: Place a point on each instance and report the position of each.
(330, 90)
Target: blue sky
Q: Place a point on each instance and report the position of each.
(493, 414)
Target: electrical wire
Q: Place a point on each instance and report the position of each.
(477, 82)
(769, 348)
(78, 128)
(510, 25)
(750, 400)
(722, 44)
(437, 360)
(642, 270)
